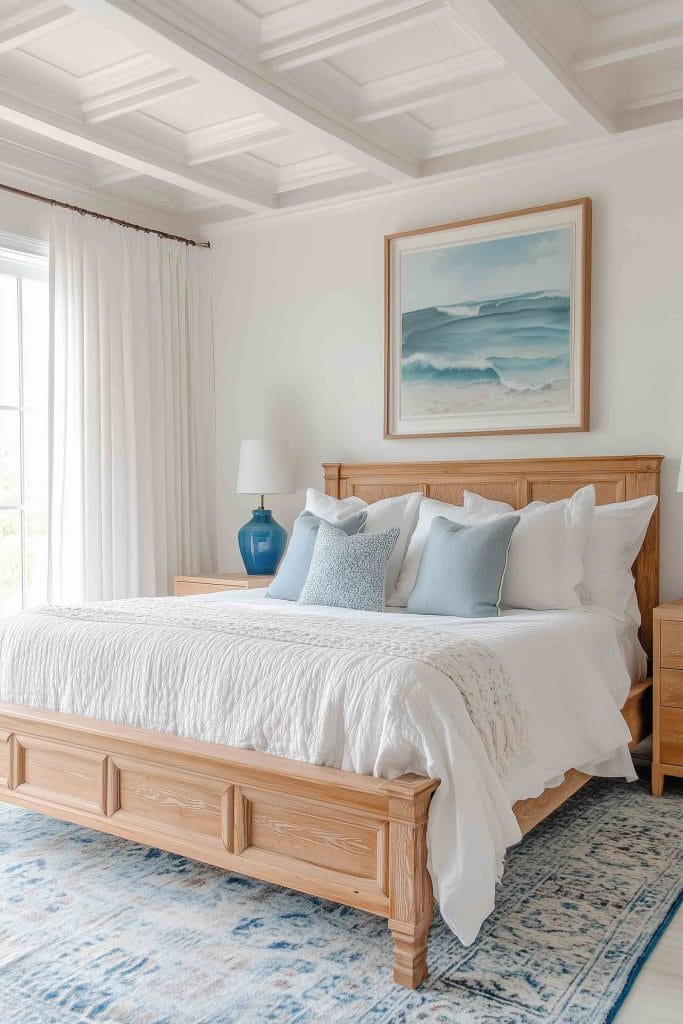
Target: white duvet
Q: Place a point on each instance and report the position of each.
(570, 672)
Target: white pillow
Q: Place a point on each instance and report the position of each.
(428, 510)
(616, 536)
(545, 564)
(332, 509)
(400, 511)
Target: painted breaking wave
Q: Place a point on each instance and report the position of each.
(519, 342)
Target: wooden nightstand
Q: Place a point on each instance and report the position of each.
(209, 583)
(667, 726)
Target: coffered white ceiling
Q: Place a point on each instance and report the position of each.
(222, 109)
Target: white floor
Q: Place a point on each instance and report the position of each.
(657, 995)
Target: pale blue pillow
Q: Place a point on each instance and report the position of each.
(462, 568)
(292, 574)
(349, 572)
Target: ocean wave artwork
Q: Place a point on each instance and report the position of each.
(486, 326)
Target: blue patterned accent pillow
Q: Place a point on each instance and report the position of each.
(349, 572)
(462, 567)
(289, 582)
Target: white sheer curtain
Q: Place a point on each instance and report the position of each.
(132, 445)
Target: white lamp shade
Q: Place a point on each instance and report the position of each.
(265, 468)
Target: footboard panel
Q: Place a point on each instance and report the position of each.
(319, 830)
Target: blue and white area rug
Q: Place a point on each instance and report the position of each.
(96, 929)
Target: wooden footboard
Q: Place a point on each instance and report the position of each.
(350, 838)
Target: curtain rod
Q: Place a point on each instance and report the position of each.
(103, 216)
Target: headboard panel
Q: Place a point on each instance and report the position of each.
(519, 481)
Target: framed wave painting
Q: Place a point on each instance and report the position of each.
(488, 324)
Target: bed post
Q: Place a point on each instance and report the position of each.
(410, 888)
(332, 479)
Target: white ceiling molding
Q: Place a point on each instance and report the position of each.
(324, 192)
(47, 178)
(647, 29)
(129, 85)
(32, 109)
(653, 90)
(238, 135)
(511, 160)
(409, 90)
(508, 124)
(31, 20)
(113, 176)
(313, 171)
(514, 36)
(170, 104)
(43, 165)
(343, 33)
(204, 53)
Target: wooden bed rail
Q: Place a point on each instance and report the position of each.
(350, 838)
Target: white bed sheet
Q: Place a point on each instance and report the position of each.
(569, 670)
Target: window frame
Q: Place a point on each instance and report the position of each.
(22, 258)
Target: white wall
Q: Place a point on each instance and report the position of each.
(299, 327)
(19, 216)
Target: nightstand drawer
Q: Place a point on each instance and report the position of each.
(671, 644)
(671, 687)
(187, 589)
(671, 743)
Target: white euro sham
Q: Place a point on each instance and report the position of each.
(545, 564)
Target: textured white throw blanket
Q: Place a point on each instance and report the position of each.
(367, 696)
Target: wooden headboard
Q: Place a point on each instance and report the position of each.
(519, 481)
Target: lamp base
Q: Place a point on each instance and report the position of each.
(262, 543)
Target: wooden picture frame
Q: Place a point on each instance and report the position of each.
(508, 360)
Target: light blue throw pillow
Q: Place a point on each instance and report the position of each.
(349, 572)
(292, 574)
(462, 568)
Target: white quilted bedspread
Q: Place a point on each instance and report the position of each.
(357, 692)
(363, 696)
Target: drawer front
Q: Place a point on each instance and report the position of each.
(185, 589)
(671, 687)
(671, 644)
(671, 735)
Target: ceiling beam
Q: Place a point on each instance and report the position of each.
(29, 21)
(33, 109)
(515, 38)
(201, 51)
(649, 28)
(237, 135)
(129, 85)
(344, 32)
(409, 90)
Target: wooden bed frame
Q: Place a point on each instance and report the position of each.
(350, 838)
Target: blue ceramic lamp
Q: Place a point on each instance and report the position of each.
(265, 468)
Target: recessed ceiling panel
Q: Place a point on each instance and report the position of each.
(82, 47)
(201, 107)
(424, 43)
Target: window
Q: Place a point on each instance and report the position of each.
(24, 333)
